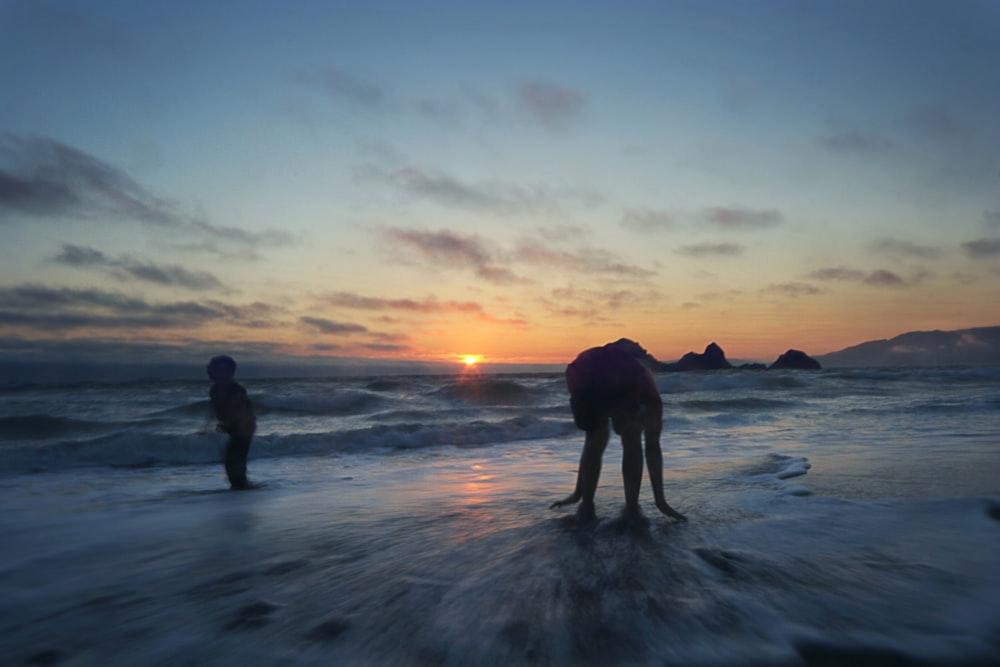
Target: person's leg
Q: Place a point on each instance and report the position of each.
(632, 469)
(628, 424)
(590, 470)
(236, 462)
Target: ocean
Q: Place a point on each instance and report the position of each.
(835, 517)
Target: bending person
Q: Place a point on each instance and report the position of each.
(608, 384)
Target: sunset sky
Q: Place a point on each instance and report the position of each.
(517, 180)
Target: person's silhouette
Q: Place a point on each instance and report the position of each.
(606, 383)
(235, 414)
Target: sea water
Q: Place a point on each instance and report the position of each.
(835, 517)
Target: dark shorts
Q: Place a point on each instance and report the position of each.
(591, 411)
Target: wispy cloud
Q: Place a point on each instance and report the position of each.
(385, 347)
(492, 262)
(837, 273)
(585, 260)
(937, 122)
(647, 220)
(792, 289)
(552, 105)
(737, 217)
(992, 220)
(901, 248)
(561, 233)
(59, 308)
(325, 326)
(877, 278)
(883, 278)
(593, 305)
(857, 141)
(127, 268)
(446, 190)
(982, 248)
(711, 250)
(43, 178)
(445, 114)
(448, 249)
(426, 305)
(345, 86)
(53, 25)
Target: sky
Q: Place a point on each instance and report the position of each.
(515, 180)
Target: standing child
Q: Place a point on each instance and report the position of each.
(236, 417)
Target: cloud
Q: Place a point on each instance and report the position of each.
(427, 305)
(345, 86)
(792, 289)
(385, 347)
(58, 309)
(585, 260)
(443, 189)
(901, 248)
(53, 26)
(647, 220)
(982, 248)
(856, 141)
(591, 305)
(837, 273)
(325, 326)
(559, 233)
(126, 268)
(711, 250)
(937, 122)
(992, 220)
(34, 297)
(551, 105)
(443, 246)
(452, 250)
(444, 113)
(237, 235)
(878, 277)
(449, 249)
(742, 218)
(883, 278)
(41, 177)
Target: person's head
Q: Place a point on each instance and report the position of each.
(222, 367)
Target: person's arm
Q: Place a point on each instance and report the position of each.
(233, 409)
(653, 426)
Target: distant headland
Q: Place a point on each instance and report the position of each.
(963, 347)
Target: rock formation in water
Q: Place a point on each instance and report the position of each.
(712, 359)
(795, 359)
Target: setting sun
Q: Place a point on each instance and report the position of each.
(472, 359)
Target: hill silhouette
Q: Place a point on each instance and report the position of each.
(962, 347)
